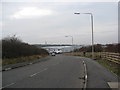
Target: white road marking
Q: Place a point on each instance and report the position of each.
(8, 85)
(34, 74)
(83, 62)
(38, 72)
(30, 63)
(7, 69)
(85, 67)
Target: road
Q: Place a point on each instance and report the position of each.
(59, 72)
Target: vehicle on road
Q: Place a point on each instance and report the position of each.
(58, 51)
(53, 53)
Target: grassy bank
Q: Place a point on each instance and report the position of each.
(109, 65)
(21, 59)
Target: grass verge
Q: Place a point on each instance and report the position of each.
(21, 59)
(110, 65)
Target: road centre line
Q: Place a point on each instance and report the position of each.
(30, 76)
(38, 72)
(8, 85)
(6, 69)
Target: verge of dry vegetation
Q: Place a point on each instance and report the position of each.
(21, 59)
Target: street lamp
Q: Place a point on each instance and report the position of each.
(92, 31)
(72, 40)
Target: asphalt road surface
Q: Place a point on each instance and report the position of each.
(59, 72)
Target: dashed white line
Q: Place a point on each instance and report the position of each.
(7, 69)
(8, 85)
(38, 72)
(34, 74)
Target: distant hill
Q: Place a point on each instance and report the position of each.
(44, 45)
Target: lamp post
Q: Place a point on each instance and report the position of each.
(72, 40)
(92, 31)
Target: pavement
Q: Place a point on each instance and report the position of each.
(98, 76)
(59, 72)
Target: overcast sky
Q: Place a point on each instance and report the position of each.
(50, 22)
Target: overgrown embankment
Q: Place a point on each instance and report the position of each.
(15, 51)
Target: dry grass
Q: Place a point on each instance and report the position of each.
(110, 65)
(21, 59)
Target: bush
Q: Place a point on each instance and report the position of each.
(113, 48)
(12, 47)
(101, 48)
(97, 48)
